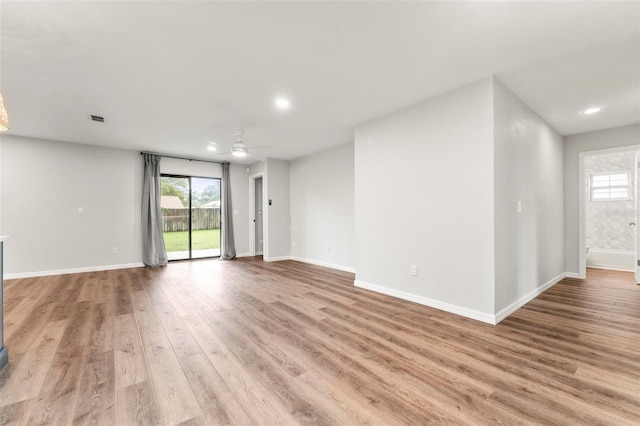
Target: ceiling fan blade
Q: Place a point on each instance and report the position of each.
(222, 153)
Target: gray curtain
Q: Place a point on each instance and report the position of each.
(228, 245)
(153, 250)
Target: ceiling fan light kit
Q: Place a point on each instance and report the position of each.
(239, 149)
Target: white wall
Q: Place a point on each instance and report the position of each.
(322, 207)
(528, 168)
(278, 217)
(176, 166)
(43, 185)
(258, 167)
(424, 196)
(573, 146)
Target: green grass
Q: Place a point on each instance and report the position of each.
(202, 240)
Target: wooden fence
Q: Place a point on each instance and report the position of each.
(176, 220)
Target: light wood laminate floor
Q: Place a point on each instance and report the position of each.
(247, 342)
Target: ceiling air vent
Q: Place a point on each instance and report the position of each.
(97, 118)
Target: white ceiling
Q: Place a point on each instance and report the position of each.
(171, 76)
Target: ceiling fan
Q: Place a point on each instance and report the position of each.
(240, 149)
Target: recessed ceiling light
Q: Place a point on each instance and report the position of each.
(212, 148)
(591, 110)
(282, 103)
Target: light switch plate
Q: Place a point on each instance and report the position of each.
(413, 270)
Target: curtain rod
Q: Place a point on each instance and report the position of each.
(183, 158)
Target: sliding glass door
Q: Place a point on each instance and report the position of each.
(205, 217)
(190, 216)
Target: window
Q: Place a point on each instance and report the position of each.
(190, 216)
(610, 186)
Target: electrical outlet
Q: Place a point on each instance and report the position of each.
(326, 248)
(413, 270)
(116, 250)
(80, 210)
(293, 243)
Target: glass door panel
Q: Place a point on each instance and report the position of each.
(175, 204)
(205, 217)
(190, 216)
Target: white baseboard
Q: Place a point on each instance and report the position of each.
(432, 303)
(276, 258)
(609, 268)
(311, 261)
(325, 264)
(527, 298)
(243, 255)
(71, 271)
(459, 310)
(573, 275)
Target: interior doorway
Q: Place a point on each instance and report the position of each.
(259, 216)
(190, 216)
(609, 209)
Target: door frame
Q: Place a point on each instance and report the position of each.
(582, 204)
(265, 215)
(189, 208)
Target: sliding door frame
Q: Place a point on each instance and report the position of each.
(189, 208)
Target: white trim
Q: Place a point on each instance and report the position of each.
(325, 264)
(311, 262)
(608, 268)
(244, 255)
(527, 298)
(71, 271)
(574, 275)
(276, 259)
(458, 310)
(583, 188)
(252, 209)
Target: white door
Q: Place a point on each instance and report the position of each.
(636, 220)
(257, 214)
